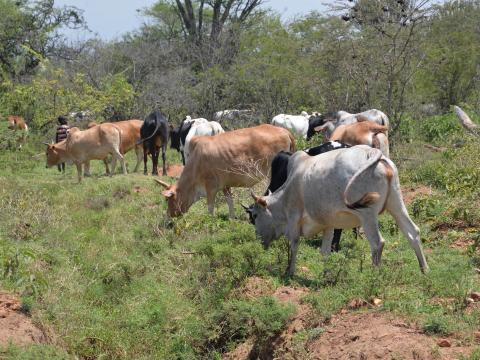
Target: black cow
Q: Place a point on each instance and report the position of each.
(279, 174)
(154, 134)
(178, 137)
(313, 122)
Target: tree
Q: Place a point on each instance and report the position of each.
(210, 28)
(29, 33)
(387, 38)
(451, 73)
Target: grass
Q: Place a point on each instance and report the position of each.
(100, 267)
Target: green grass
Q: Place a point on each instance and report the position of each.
(101, 267)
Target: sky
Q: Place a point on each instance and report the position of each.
(109, 19)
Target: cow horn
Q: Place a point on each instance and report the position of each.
(255, 197)
(163, 183)
(45, 143)
(245, 207)
(319, 128)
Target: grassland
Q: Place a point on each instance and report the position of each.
(106, 275)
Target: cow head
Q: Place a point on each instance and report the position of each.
(174, 208)
(53, 155)
(314, 121)
(261, 216)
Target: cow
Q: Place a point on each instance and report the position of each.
(179, 135)
(232, 114)
(92, 144)
(238, 158)
(300, 125)
(339, 189)
(209, 128)
(327, 123)
(364, 132)
(18, 125)
(130, 135)
(279, 174)
(154, 135)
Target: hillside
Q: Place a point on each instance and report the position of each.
(104, 274)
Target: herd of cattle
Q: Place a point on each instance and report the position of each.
(346, 182)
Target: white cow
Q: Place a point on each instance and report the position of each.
(208, 128)
(340, 189)
(231, 114)
(302, 125)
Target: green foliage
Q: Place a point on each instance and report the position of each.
(436, 325)
(51, 94)
(438, 128)
(262, 318)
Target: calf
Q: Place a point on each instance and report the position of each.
(154, 135)
(279, 174)
(338, 189)
(238, 158)
(366, 133)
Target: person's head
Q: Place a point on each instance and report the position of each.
(62, 120)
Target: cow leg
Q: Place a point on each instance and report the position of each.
(59, 167)
(164, 150)
(397, 209)
(293, 235)
(183, 157)
(155, 161)
(119, 156)
(86, 171)
(337, 233)
(228, 196)
(145, 159)
(372, 232)
(211, 193)
(139, 153)
(79, 172)
(63, 167)
(107, 168)
(327, 242)
(114, 165)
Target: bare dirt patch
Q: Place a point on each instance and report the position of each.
(16, 327)
(413, 192)
(376, 335)
(463, 239)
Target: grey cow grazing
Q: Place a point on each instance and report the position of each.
(340, 189)
(331, 121)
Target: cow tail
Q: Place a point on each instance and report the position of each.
(368, 198)
(120, 138)
(292, 142)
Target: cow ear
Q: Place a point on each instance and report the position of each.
(319, 128)
(262, 202)
(168, 193)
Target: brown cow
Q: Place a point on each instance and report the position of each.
(130, 135)
(92, 144)
(17, 123)
(363, 133)
(238, 158)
